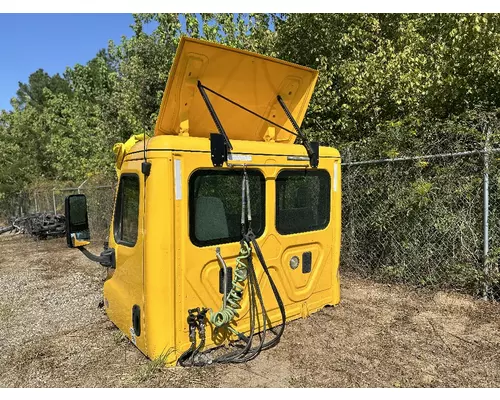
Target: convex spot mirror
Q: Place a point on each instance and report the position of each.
(77, 221)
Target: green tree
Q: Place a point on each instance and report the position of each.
(32, 93)
(380, 70)
(63, 127)
(389, 84)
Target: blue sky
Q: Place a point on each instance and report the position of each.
(52, 42)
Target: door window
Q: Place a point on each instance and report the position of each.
(215, 205)
(126, 220)
(302, 201)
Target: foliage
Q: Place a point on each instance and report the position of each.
(381, 70)
(63, 128)
(390, 85)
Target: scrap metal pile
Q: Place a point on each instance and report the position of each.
(39, 225)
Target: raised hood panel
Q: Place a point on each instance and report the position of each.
(249, 79)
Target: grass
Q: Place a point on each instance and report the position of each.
(119, 337)
(153, 367)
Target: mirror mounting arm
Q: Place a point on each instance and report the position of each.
(106, 259)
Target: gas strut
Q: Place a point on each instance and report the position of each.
(312, 148)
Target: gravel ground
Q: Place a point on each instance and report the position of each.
(53, 334)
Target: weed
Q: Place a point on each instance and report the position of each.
(154, 366)
(118, 337)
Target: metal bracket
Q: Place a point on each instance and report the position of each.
(218, 149)
(106, 259)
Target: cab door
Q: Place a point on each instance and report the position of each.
(304, 224)
(123, 292)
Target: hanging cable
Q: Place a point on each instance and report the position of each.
(223, 318)
(248, 353)
(192, 324)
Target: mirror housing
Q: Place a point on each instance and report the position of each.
(77, 221)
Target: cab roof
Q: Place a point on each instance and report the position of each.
(249, 79)
(165, 143)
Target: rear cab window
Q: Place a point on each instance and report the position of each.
(215, 205)
(302, 201)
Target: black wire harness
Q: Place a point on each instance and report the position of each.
(197, 320)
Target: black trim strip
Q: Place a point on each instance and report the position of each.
(236, 152)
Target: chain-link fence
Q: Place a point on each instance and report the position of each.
(424, 220)
(100, 201)
(430, 220)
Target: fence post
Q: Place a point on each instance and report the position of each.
(83, 183)
(54, 200)
(350, 216)
(20, 202)
(486, 208)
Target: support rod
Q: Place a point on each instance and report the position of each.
(249, 111)
(290, 117)
(313, 157)
(212, 112)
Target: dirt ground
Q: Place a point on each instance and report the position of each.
(53, 334)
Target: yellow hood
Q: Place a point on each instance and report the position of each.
(250, 79)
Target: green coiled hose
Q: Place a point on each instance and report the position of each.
(225, 315)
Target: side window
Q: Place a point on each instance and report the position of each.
(302, 201)
(215, 205)
(126, 220)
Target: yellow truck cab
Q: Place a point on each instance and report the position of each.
(223, 228)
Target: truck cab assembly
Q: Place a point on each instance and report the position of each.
(223, 229)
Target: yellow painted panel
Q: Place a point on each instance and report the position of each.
(250, 79)
(165, 273)
(124, 288)
(197, 269)
(178, 275)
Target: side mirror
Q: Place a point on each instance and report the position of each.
(77, 221)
